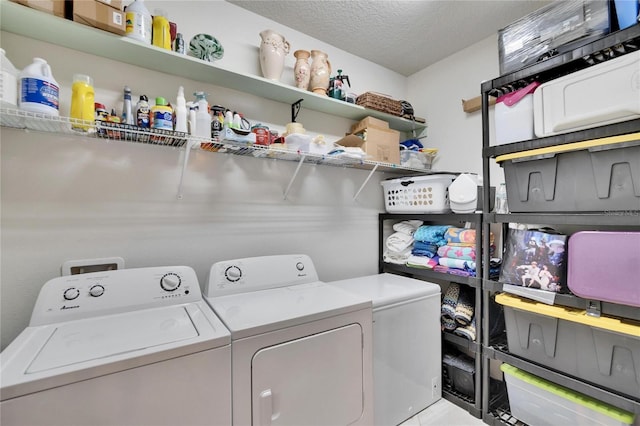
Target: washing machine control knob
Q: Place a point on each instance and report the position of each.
(170, 281)
(300, 266)
(233, 273)
(71, 293)
(96, 290)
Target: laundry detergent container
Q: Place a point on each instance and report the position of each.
(604, 351)
(602, 94)
(605, 266)
(537, 401)
(590, 176)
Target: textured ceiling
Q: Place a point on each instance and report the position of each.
(404, 36)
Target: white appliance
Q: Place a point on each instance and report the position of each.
(407, 360)
(125, 347)
(301, 349)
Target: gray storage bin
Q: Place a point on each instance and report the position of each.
(581, 177)
(604, 351)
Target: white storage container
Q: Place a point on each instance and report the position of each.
(539, 402)
(602, 94)
(418, 194)
(514, 115)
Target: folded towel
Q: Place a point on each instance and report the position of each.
(421, 262)
(399, 241)
(465, 265)
(407, 226)
(449, 302)
(463, 253)
(424, 249)
(463, 237)
(431, 234)
(467, 331)
(465, 307)
(397, 257)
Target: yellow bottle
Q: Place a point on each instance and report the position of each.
(82, 101)
(161, 30)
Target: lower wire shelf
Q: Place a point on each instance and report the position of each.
(461, 400)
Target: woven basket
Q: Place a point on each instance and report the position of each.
(380, 102)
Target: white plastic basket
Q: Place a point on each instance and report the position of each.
(422, 194)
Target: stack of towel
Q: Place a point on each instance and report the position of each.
(400, 243)
(428, 238)
(457, 314)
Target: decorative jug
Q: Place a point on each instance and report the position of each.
(273, 50)
(320, 72)
(301, 69)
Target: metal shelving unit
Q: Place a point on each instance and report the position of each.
(495, 408)
(472, 405)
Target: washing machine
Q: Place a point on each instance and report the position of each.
(125, 347)
(407, 360)
(301, 349)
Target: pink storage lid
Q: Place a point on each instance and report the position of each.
(510, 99)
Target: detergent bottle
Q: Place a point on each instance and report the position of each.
(138, 22)
(39, 91)
(161, 35)
(8, 82)
(82, 101)
(161, 115)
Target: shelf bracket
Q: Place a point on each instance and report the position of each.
(191, 143)
(295, 109)
(286, 192)
(366, 180)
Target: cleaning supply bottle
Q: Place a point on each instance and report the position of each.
(203, 118)
(82, 101)
(138, 22)
(181, 111)
(161, 115)
(8, 83)
(39, 91)
(161, 33)
(228, 118)
(142, 112)
(192, 117)
(179, 44)
(127, 114)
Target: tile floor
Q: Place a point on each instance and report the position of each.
(443, 413)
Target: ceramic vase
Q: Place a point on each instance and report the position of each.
(320, 72)
(273, 50)
(302, 69)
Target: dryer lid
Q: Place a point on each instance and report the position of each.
(385, 289)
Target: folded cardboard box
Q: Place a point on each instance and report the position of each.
(379, 144)
(369, 122)
(116, 4)
(54, 7)
(97, 14)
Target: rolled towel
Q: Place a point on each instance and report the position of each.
(399, 241)
(407, 226)
(467, 331)
(464, 308)
(449, 302)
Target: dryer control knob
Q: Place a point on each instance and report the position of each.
(170, 282)
(96, 290)
(233, 273)
(300, 266)
(71, 293)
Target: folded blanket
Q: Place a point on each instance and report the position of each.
(462, 253)
(424, 249)
(454, 271)
(466, 265)
(463, 237)
(465, 306)
(421, 262)
(399, 241)
(467, 331)
(449, 302)
(407, 226)
(433, 234)
(397, 257)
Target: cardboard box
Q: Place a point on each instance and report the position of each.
(54, 7)
(99, 15)
(369, 122)
(380, 144)
(116, 4)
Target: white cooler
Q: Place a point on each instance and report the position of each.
(603, 94)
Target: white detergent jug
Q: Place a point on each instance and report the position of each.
(8, 83)
(39, 91)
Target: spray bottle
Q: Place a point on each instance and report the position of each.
(192, 118)
(203, 118)
(127, 114)
(181, 111)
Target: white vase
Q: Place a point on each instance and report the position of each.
(320, 72)
(273, 50)
(302, 69)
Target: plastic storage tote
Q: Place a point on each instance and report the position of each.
(514, 115)
(605, 266)
(602, 94)
(418, 194)
(536, 401)
(604, 350)
(597, 175)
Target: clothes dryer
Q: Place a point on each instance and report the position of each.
(301, 349)
(407, 348)
(124, 347)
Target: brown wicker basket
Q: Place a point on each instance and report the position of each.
(380, 102)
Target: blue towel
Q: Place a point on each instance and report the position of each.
(433, 234)
(424, 249)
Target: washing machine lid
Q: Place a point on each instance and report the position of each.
(256, 312)
(385, 289)
(56, 354)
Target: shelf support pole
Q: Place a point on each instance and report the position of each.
(286, 192)
(366, 181)
(191, 143)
